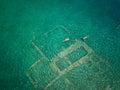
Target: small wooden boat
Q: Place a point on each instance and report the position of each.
(84, 38)
(66, 39)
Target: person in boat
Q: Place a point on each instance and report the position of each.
(84, 38)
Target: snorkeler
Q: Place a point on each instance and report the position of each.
(75, 40)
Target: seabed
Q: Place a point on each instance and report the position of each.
(74, 66)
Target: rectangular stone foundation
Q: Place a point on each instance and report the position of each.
(51, 42)
(50, 73)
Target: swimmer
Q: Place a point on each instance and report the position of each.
(75, 40)
(84, 38)
(66, 39)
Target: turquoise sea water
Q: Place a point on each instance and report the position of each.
(23, 20)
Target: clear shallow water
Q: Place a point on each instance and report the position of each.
(21, 20)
